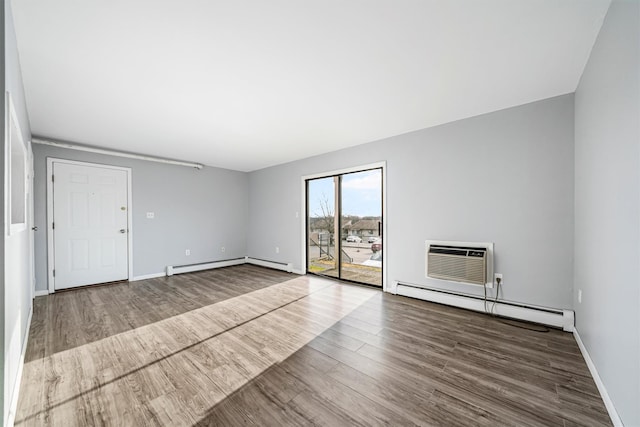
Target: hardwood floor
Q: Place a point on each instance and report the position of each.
(248, 345)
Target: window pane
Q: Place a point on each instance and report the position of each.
(362, 227)
(321, 227)
(17, 171)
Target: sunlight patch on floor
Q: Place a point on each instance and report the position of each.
(176, 369)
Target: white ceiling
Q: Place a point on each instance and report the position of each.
(253, 83)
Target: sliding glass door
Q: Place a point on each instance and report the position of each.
(344, 226)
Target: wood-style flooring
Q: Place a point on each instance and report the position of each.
(247, 345)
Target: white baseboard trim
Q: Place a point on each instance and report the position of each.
(608, 403)
(13, 406)
(147, 276)
(41, 293)
(288, 267)
(552, 317)
(171, 270)
(298, 272)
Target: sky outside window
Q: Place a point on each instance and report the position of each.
(361, 194)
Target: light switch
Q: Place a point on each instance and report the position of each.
(150, 215)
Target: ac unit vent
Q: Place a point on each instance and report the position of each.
(458, 264)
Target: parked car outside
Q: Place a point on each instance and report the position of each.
(354, 239)
(372, 239)
(377, 245)
(375, 260)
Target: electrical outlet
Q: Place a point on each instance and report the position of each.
(497, 276)
(151, 215)
(222, 249)
(187, 252)
(277, 250)
(580, 296)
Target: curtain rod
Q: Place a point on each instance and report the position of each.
(69, 146)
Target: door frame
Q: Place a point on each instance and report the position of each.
(303, 218)
(50, 237)
(31, 222)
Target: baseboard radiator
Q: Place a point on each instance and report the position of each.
(284, 266)
(547, 316)
(190, 268)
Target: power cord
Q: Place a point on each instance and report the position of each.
(521, 325)
(529, 326)
(495, 301)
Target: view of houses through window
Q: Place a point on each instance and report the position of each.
(344, 226)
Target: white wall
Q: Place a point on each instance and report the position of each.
(17, 286)
(201, 210)
(4, 217)
(607, 206)
(504, 177)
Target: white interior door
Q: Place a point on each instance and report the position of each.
(90, 214)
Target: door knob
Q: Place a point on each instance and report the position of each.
(122, 230)
(34, 228)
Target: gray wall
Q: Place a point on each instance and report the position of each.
(504, 177)
(200, 210)
(607, 226)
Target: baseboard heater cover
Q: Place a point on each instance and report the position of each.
(179, 269)
(288, 267)
(547, 316)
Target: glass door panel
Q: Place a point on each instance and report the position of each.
(361, 226)
(321, 227)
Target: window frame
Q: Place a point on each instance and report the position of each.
(15, 142)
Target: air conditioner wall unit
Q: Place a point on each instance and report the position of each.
(461, 262)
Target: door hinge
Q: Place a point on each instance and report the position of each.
(53, 225)
(52, 180)
(54, 272)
